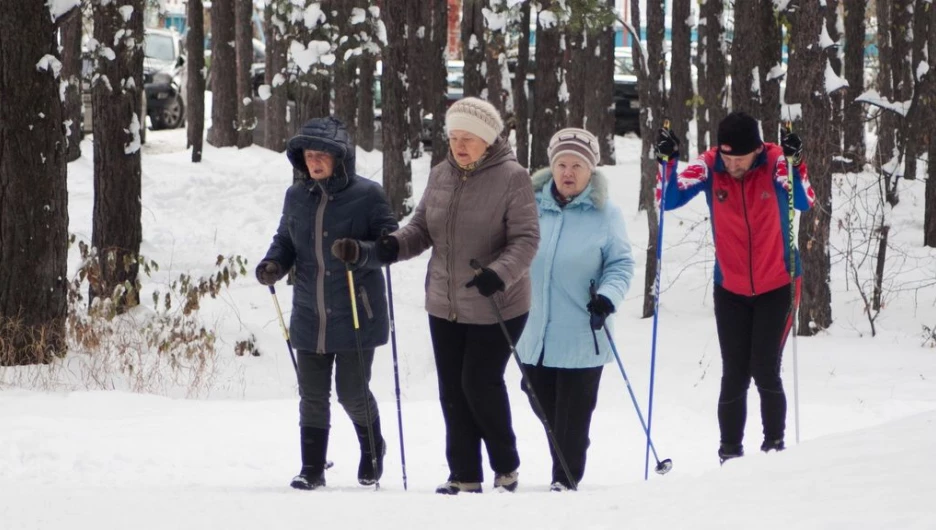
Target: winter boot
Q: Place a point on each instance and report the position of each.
(506, 481)
(314, 447)
(729, 451)
(772, 445)
(366, 474)
(454, 487)
(559, 486)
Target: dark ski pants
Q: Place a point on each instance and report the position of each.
(470, 363)
(568, 397)
(315, 376)
(752, 331)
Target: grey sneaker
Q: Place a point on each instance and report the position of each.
(506, 481)
(454, 487)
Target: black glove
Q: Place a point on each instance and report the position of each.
(347, 250)
(667, 145)
(268, 272)
(599, 308)
(487, 282)
(792, 147)
(388, 249)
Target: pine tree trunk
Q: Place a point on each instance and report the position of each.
(702, 106)
(223, 131)
(275, 130)
(472, 33)
(416, 71)
(116, 226)
(888, 121)
(546, 117)
(600, 115)
(495, 60)
(832, 55)
(397, 171)
(195, 78)
(714, 91)
(853, 126)
(521, 105)
(33, 194)
(771, 55)
(345, 68)
(929, 214)
(243, 48)
(901, 39)
(681, 93)
(649, 84)
(577, 68)
(745, 58)
(437, 84)
(70, 31)
(807, 65)
(365, 108)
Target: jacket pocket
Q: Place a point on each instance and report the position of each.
(365, 301)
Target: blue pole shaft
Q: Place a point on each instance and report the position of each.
(656, 314)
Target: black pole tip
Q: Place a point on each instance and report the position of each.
(272, 290)
(664, 467)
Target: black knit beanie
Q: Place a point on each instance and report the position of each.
(738, 134)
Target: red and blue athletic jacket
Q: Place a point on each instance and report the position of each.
(750, 216)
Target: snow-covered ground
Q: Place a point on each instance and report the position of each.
(82, 456)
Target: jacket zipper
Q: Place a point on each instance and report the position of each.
(747, 223)
(453, 315)
(320, 276)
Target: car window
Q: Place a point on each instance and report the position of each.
(624, 65)
(159, 47)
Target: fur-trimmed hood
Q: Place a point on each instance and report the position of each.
(595, 193)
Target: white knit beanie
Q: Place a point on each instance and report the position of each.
(475, 116)
(574, 141)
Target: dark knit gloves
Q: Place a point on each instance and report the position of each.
(667, 145)
(388, 249)
(792, 147)
(346, 250)
(598, 309)
(487, 282)
(268, 272)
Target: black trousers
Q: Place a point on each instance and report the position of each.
(568, 397)
(751, 331)
(470, 363)
(315, 377)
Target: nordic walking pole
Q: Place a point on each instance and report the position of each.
(284, 329)
(789, 160)
(536, 402)
(396, 373)
(662, 467)
(365, 389)
(656, 304)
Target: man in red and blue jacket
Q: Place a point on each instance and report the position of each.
(746, 185)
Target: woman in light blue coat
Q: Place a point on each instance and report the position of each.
(582, 240)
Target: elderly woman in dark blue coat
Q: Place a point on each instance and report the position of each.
(330, 221)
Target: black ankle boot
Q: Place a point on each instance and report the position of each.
(366, 474)
(729, 451)
(314, 446)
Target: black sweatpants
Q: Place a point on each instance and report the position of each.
(752, 331)
(315, 376)
(568, 397)
(470, 363)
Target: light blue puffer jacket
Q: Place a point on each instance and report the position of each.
(584, 241)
